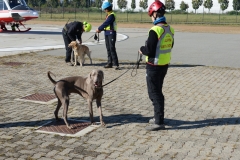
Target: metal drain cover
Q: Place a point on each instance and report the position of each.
(13, 63)
(39, 98)
(80, 128)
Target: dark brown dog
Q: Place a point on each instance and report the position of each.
(89, 88)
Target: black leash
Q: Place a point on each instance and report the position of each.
(136, 66)
(96, 37)
(116, 78)
(90, 37)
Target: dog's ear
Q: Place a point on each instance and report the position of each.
(75, 44)
(70, 44)
(101, 73)
(89, 78)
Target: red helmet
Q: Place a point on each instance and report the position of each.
(155, 6)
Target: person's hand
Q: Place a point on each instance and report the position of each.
(98, 31)
(140, 52)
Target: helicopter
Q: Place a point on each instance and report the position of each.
(13, 13)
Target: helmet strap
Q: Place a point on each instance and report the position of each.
(154, 17)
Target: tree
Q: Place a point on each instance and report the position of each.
(34, 3)
(111, 1)
(196, 4)
(52, 3)
(208, 4)
(98, 3)
(133, 4)
(170, 4)
(223, 4)
(184, 6)
(143, 4)
(122, 4)
(236, 5)
(77, 3)
(65, 3)
(83, 3)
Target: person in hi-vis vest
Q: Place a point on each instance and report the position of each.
(110, 31)
(157, 50)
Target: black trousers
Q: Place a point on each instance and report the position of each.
(111, 49)
(67, 40)
(155, 77)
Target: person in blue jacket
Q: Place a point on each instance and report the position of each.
(109, 27)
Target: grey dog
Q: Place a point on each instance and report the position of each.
(89, 88)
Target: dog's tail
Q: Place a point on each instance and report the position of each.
(52, 80)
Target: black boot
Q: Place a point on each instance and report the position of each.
(108, 66)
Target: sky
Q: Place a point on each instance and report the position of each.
(214, 9)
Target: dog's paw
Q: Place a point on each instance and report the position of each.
(103, 124)
(93, 123)
(70, 127)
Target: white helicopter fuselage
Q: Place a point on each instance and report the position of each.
(15, 11)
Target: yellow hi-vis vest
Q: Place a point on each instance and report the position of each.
(165, 35)
(114, 23)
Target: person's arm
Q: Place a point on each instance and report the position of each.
(71, 32)
(150, 48)
(79, 32)
(108, 21)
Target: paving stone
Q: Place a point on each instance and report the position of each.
(51, 153)
(202, 114)
(38, 155)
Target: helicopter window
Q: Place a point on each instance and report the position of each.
(3, 5)
(14, 3)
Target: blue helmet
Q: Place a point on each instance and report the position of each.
(106, 5)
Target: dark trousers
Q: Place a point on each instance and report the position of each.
(67, 40)
(155, 77)
(111, 49)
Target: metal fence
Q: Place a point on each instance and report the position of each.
(94, 14)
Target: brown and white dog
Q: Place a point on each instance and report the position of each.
(89, 88)
(80, 51)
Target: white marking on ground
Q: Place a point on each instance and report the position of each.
(8, 51)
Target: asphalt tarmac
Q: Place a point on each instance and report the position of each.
(207, 49)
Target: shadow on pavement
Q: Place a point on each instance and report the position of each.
(121, 119)
(36, 32)
(184, 65)
(44, 32)
(179, 124)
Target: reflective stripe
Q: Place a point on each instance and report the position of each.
(164, 46)
(108, 28)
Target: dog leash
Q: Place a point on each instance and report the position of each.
(116, 78)
(134, 67)
(90, 37)
(139, 59)
(96, 37)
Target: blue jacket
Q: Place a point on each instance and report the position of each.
(108, 21)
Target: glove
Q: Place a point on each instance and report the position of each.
(95, 37)
(146, 43)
